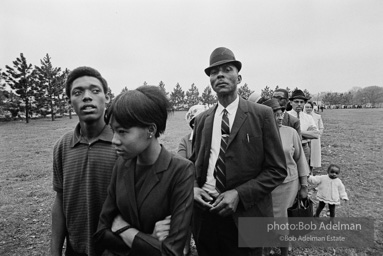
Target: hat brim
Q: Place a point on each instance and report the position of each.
(299, 97)
(236, 63)
(279, 108)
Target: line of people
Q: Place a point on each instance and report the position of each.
(120, 192)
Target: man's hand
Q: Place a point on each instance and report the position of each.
(118, 223)
(202, 198)
(162, 228)
(226, 203)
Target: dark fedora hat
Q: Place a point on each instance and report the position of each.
(298, 94)
(274, 104)
(222, 56)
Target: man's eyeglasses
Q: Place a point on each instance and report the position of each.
(298, 101)
(279, 115)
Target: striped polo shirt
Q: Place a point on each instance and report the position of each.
(82, 171)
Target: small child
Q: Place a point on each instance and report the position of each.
(330, 189)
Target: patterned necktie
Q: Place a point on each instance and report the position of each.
(220, 167)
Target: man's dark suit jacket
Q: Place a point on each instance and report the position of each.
(255, 162)
(293, 122)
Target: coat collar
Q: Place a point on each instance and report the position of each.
(161, 165)
(239, 119)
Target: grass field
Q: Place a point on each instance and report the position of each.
(352, 138)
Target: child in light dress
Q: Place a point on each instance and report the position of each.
(330, 189)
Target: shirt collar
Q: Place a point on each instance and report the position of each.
(231, 108)
(295, 113)
(105, 135)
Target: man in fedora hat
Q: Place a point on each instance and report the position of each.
(236, 168)
(282, 96)
(309, 129)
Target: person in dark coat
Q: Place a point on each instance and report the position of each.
(239, 160)
(149, 184)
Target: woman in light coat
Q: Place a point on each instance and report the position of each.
(316, 154)
(297, 168)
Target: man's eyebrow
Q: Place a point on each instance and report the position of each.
(96, 85)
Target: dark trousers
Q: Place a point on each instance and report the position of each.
(307, 151)
(216, 235)
(322, 205)
(70, 252)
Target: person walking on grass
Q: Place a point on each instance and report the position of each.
(83, 161)
(239, 160)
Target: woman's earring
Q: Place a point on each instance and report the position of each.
(150, 135)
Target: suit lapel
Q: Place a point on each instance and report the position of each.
(239, 119)
(208, 131)
(153, 178)
(131, 191)
(207, 137)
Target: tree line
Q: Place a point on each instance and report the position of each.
(40, 90)
(370, 96)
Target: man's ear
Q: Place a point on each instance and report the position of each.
(107, 98)
(239, 79)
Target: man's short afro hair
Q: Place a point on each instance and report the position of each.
(84, 71)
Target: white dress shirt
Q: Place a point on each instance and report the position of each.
(209, 185)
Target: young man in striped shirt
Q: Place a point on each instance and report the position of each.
(83, 161)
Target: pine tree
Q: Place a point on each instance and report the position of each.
(21, 79)
(50, 86)
(267, 93)
(162, 87)
(177, 97)
(244, 91)
(192, 96)
(307, 93)
(207, 98)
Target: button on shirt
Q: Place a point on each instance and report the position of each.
(305, 119)
(209, 185)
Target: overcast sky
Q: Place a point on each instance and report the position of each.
(318, 45)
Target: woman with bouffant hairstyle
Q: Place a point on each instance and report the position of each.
(150, 197)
